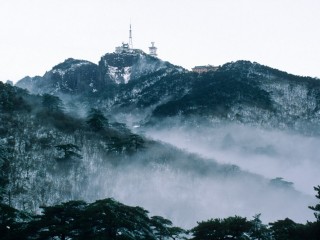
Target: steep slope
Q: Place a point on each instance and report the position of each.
(250, 93)
(240, 92)
(79, 77)
(123, 67)
(70, 77)
(48, 156)
(138, 88)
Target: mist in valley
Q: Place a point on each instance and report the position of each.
(187, 188)
(211, 184)
(186, 171)
(268, 152)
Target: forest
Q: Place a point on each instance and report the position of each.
(111, 220)
(45, 149)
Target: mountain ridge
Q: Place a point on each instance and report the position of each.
(186, 133)
(148, 88)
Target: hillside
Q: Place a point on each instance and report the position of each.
(161, 134)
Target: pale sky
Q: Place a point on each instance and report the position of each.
(35, 35)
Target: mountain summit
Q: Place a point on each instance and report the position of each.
(122, 67)
(75, 76)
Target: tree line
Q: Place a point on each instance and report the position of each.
(111, 220)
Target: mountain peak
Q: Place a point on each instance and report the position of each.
(70, 63)
(81, 76)
(121, 67)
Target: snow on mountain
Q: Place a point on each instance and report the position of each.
(70, 76)
(191, 111)
(78, 77)
(120, 68)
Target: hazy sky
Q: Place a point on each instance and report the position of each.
(38, 34)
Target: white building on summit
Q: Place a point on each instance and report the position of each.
(153, 50)
(128, 47)
(123, 49)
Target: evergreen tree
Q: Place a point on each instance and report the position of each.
(60, 221)
(287, 229)
(236, 227)
(51, 103)
(11, 99)
(70, 151)
(259, 231)
(109, 219)
(96, 120)
(208, 230)
(163, 228)
(313, 228)
(4, 171)
(316, 208)
(13, 223)
(217, 229)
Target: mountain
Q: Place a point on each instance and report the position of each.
(48, 156)
(77, 77)
(137, 86)
(70, 77)
(150, 133)
(246, 92)
(123, 67)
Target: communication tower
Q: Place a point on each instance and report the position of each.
(130, 38)
(153, 50)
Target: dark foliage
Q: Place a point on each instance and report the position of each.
(287, 230)
(96, 120)
(13, 223)
(215, 93)
(228, 228)
(69, 152)
(11, 99)
(111, 220)
(316, 208)
(52, 103)
(103, 219)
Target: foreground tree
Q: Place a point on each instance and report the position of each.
(287, 229)
(13, 223)
(259, 231)
(217, 229)
(313, 228)
(163, 229)
(60, 221)
(316, 208)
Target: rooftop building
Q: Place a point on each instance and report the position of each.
(153, 50)
(202, 69)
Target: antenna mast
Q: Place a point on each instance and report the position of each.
(130, 38)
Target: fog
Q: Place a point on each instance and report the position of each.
(185, 197)
(190, 188)
(186, 188)
(270, 153)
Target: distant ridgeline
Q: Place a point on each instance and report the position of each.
(140, 84)
(133, 82)
(79, 132)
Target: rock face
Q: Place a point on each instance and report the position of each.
(122, 67)
(79, 76)
(70, 77)
(238, 114)
(133, 82)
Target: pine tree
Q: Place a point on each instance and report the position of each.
(70, 151)
(316, 208)
(52, 103)
(96, 120)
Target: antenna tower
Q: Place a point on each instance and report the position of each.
(130, 38)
